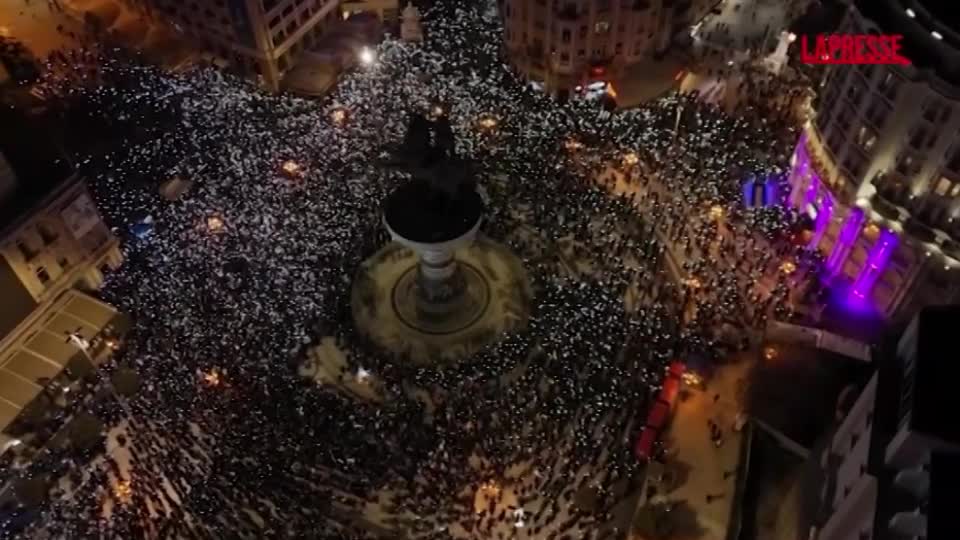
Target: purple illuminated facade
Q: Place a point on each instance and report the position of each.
(818, 199)
(848, 235)
(837, 238)
(876, 264)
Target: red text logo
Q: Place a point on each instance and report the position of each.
(853, 49)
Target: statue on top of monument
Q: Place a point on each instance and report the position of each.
(428, 153)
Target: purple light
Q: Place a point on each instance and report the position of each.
(812, 190)
(748, 193)
(770, 192)
(876, 263)
(847, 237)
(824, 211)
(823, 220)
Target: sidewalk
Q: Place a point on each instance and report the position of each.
(696, 467)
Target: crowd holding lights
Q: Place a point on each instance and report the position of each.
(545, 416)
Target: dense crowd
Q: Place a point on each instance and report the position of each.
(532, 436)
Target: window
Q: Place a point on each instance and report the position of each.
(922, 138)
(42, 275)
(953, 159)
(47, 233)
(618, 48)
(602, 27)
(866, 138)
(908, 165)
(889, 86)
(582, 52)
(583, 32)
(856, 91)
(565, 58)
(878, 112)
(844, 120)
(566, 36)
(936, 110)
(25, 250)
(943, 186)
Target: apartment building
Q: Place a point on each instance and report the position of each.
(890, 469)
(53, 246)
(261, 38)
(566, 44)
(878, 168)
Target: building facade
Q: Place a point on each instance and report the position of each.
(565, 44)
(259, 37)
(60, 242)
(387, 11)
(890, 469)
(53, 245)
(878, 168)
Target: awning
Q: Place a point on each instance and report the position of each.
(40, 351)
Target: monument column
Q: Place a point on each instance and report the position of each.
(432, 298)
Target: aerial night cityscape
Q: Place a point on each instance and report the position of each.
(470, 269)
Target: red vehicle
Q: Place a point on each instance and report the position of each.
(659, 416)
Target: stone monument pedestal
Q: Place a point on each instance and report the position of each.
(439, 291)
(439, 287)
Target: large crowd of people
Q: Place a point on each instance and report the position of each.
(532, 436)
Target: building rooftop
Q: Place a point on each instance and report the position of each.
(780, 388)
(935, 377)
(39, 167)
(944, 11)
(28, 362)
(917, 26)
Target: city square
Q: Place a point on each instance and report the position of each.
(310, 363)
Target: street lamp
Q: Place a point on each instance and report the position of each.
(572, 145)
(338, 116)
(211, 378)
(215, 224)
(123, 491)
(788, 267)
(630, 159)
(716, 212)
(488, 122)
(291, 168)
(367, 56)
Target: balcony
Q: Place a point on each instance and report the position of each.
(919, 230)
(952, 248)
(886, 208)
